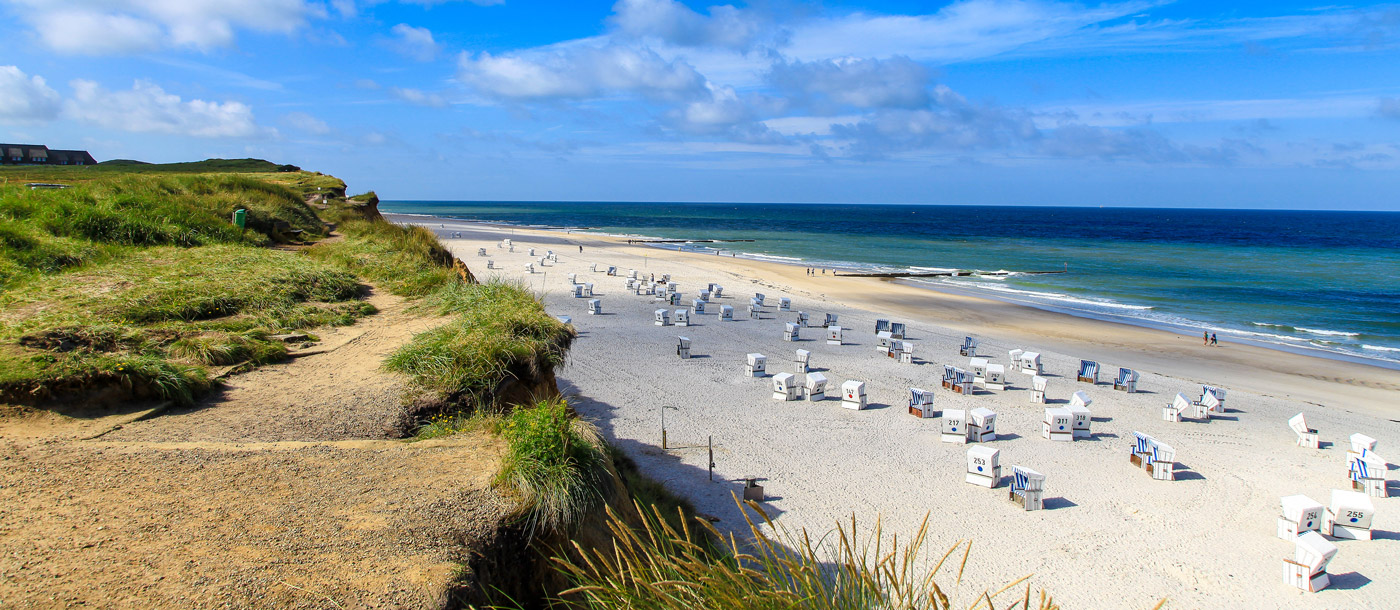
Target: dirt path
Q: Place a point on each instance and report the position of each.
(266, 494)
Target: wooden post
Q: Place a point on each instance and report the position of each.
(712, 459)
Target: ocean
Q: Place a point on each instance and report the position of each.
(1317, 282)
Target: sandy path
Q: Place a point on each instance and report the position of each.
(1111, 537)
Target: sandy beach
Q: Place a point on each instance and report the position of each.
(1110, 536)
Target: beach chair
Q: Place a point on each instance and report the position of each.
(753, 311)
(1080, 399)
(882, 341)
(682, 317)
(758, 298)
(784, 304)
(612, 271)
(962, 382)
(1030, 363)
(954, 425)
(717, 291)
(816, 387)
(897, 330)
(1038, 385)
(663, 317)
(506, 242)
(632, 273)
(595, 307)
(1209, 404)
(704, 295)
(529, 267)
(969, 347)
(665, 278)
(593, 267)
(979, 370)
(982, 425)
(833, 335)
(564, 319)
(1213, 397)
(853, 395)
(698, 305)
(490, 264)
(578, 291)
(1367, 473)
(1088, 372)
(896, 346)
(996, 377)
(1126, 381)
(543, 262)
(510, 247)
(1162, 465)
(752, 490)
(726, 313)
(1178, 406)
(906, 353)
(882, 326)
(532, 251)
(756, 365)
(791, 331)
(921, 404)
(1307, 570)
(588, 289)
(1307, 437)
(756, 303)
(481, 251)
(1027, 488)
(948, 376)
(984, 466)
(683, 347)
(1015, 356)
(1362, 444)
(830, 321)
(573, 278)
(801, 361)
(1141, 450)
(785, 387)
(1299, 514)
(802, 319)
(1058, 425)
(1082, 418)
(1349, 516)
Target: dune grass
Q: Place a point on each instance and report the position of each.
(409, 261)
(555, 462)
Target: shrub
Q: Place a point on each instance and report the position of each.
(555, 462)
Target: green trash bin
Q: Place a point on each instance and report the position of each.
(240, 218)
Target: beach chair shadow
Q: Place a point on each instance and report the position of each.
(1348, 581)
(1185, 473)
(1057, 503)
(1230, 410)
(1225, 417)
(1005, 436)
(1100, 419)
(1384, 535)
(1137, 391)
(1102, 435)
(699, 356)
(1324, 445)
(875, 406)
(1056, 401)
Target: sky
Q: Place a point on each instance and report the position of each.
(998, 102)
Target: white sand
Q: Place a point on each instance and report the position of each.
(1110, 537)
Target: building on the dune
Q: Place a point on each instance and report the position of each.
(38, 154)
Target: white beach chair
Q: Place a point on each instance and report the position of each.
(1299, 514)
(833, 335)
(717, 291)
(1080, 398)
(704, 295)
(1367, 473)
(801, 361)
(1307, 570)
(481, 251)
(948, 376)
(573, 278)
(529, 267)
(683, 347)
(906, 353)
(982, 425)
(996, 377)
(1027, 488)
(1127, 380)
(1030, 363)
(969, 347)
(682, 317)
(1209, 404)
(595, 307)
(564, 319)
(726, 313)
(791, 331)
(1213, 397)
(632, 273)
(1307, 437)
(983, 466)
(758, 298)
(756, 365)
(1349, 517)
(830, 321)
(802, 319)
(1178, 406)
(882, 341)
(753, 312)
(784, 304)
(510, 248)
(853, 395)
(979, 370)
(665, 278)
(1140, 453)
(1058, 425)
(490, 264)
(1163, 461)
(897, 330)
(1088, 372)
(816, 387)
(756, 303)
(612, 270)
(962, 382)
(593, 267)
(588, 289)
(663, 317)
(1015, 356)
(1038, 385)
(1082, 419)
(699, 306)
(543, 262)
(578, 291)
(954, 426)
(1362, 444)
(785, 387)
(921, 403)
(532, 251)
(882, 326)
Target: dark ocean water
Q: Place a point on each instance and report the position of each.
(1311, 280)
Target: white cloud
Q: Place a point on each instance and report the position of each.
(307, 123)
(146, 108)
(26, 99)
(415, 96)
(580, 72)
(898, 82)
(96, 27)
(677, 24)
(413, 42)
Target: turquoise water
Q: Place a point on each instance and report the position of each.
(1326, 281)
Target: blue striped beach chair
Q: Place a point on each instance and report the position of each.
(1027, 488)
(1088, 371)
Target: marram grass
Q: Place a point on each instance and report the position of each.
(555, 463)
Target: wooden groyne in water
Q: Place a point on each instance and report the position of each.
(686, 241)
(899, 274)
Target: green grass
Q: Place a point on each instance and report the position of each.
(555, 462)
(499, 331)
(408, 261)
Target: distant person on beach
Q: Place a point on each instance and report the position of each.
(1213, 340)
(580, 249)
(1205, 338)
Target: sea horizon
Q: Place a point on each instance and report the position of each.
(1248, 275)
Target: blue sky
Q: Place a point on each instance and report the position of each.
(1183, 104)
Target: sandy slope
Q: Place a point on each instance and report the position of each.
(1111, 538)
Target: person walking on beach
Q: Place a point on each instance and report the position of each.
(580, 249)
(1205, 338)
(1213, 340)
